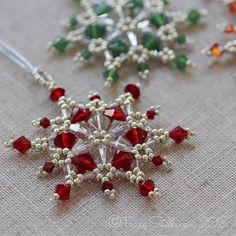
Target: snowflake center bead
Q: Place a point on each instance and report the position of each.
(96, 106)
(126, 24)
(100, 137)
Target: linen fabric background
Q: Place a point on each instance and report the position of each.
(198, 196)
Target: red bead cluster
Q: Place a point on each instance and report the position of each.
(85, 162)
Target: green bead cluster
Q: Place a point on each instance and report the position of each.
(77, 1)
(155, 40)
(73, 22)
(181, 39)
(60, 44)
(86, 54)
(142, 67)
(181, 62)
(118, 47)
(194, 16)
(102, 8)
(166, 2)
(159, 19)
(111, 74)
(151, 42)
(95, 31)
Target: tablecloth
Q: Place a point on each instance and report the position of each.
(198, 196)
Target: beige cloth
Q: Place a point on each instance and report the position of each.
(198, 195)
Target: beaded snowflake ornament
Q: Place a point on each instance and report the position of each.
(96, 140)
(216, 51)
(124, 31)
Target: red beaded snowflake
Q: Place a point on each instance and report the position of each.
(100, 141)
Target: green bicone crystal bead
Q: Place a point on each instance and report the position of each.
(86, 54)
(95, 31)
(118, 47)
(151, 42)
(135, 4)
(142, 67)
(102, 9)
(111, 74)
(60, 44)
(181, 62)
(166, 2)
(159, 19)
(181, 39)
(77, 1)
(73, 22)
(194, 16)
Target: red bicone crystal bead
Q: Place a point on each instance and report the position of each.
(157, 161)
(48, 167)
(145, 187)
(83, 163)
(151, 115)
(232, 7)
(123, 160)
(44, 122)
(136, 136)
(63, 191)
(94, 97)
(115, 113)
(65, 140)
(178, 134)
(107, 185)
(56, 94)
(22, 144)
(133, 89)
(79, 115)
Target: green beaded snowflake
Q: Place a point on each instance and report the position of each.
(134, 31)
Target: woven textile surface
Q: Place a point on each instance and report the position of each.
(198, 196)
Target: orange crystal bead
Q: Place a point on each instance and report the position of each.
(229, 29)
(216, 51)
(232, 7)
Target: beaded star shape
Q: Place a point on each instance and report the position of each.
(133, 31)
(99, 141)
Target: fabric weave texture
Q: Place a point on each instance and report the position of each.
(198, 196)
